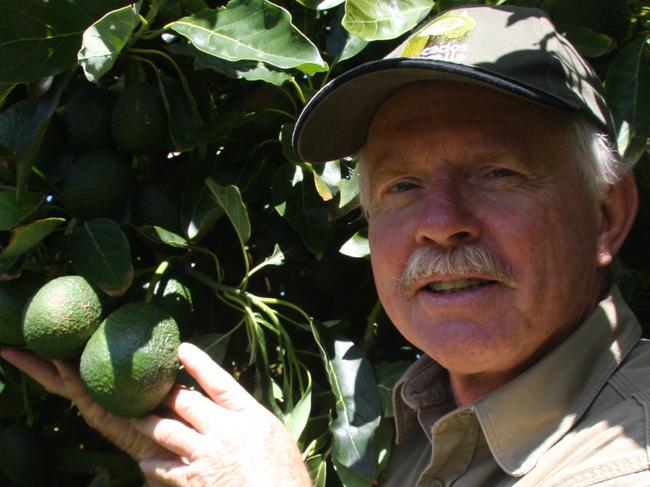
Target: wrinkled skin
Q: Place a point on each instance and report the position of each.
(226, 439)
(449, 164)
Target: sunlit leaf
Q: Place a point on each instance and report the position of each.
(357, 246)
(199, 210)
(100, 251)
(248, 70)
(358, 407)
(373, 20)
(103, 41)
(321, 4)
(296, 419)
(160, 235)
(628, 96)
(27, 237)
(229, 198)
(255, 30)
(295, 199)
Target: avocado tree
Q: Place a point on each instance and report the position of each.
(146, 147)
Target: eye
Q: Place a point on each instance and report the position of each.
(400, 187)
(501, 172)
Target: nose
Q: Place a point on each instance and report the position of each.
(445, 218)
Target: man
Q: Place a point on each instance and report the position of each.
(494, 210)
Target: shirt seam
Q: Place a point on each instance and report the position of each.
(603, 472)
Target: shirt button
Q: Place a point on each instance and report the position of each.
(437, 483)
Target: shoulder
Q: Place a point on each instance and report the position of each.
(611, 443)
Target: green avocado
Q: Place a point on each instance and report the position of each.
(98, 184)
(130, 363)
(86, 120)
(139, 120)
(61, 317)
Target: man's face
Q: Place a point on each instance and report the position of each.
(451, 165)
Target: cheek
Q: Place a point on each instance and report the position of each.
(389, 251)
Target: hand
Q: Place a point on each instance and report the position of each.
(226, 439)
(63, 379)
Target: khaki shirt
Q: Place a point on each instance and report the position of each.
(580, 416)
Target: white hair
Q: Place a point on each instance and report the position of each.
(599, 162)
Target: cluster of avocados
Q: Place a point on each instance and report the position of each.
(128, 358)
(126, 350)
(127, 354)
(104, 130)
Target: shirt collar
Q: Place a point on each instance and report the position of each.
(528, 415)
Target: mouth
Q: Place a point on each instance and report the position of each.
(458, 285)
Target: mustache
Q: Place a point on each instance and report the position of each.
(470, 259)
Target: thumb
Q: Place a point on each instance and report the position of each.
(218, 384)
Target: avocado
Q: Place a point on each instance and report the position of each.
(130, 363)
(61, 317)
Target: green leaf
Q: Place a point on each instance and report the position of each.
(373, 20)
(229, 198)
(358, 408)
(248, 70)
(628, 96)
(295, 199)
(160, 235)
(12, 213)
(255, 30)
(25, 238)
(183, 119)
(32, 134)
(349, 189)
(100, 251)
(5, 90)
(276, 258)
(387, 375)
(327, 178)
(296, 419)
(318, 470)
(39, 38)
(199, 210)
(357, 246)
(320, 4)
(588, 42)
(104, 40)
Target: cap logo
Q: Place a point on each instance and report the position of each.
(445, 38)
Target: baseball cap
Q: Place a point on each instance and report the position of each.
(516, 50)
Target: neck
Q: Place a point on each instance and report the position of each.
(470, 388)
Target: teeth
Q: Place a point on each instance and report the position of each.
(458, 285)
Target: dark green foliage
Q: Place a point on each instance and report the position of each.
(26, 457)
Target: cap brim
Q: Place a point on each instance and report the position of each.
(333, 125)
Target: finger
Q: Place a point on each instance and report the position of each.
(170, 434)
(39, 369)
(220, 386)
(166, 472)
(192, 407)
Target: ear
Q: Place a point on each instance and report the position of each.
(618, 212)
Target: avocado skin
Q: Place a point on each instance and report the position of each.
(130, 363)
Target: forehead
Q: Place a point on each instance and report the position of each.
(473, 120)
